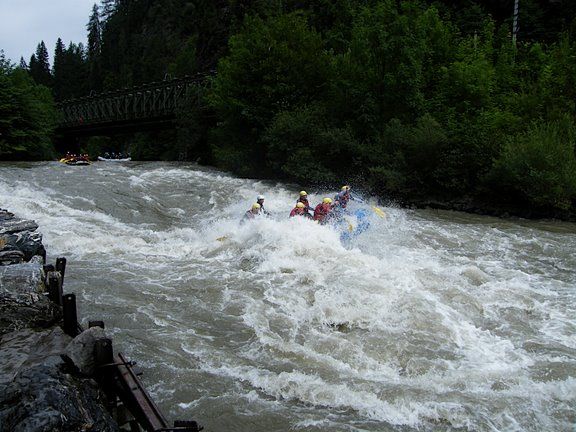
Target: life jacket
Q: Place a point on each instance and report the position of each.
(248, 216)
(342, 198)
(305, 202)
(296, 211)
(262, 210)
(321, 211)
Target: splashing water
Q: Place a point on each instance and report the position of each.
(426, 321)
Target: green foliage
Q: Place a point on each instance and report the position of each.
(391, 69)
(40, 67)
(95, 146)
(301, 145)
(70, 78)
(558, 80)
(273, 66)
(407, 159)
(194, 120)
(184, 62)
(539, 165)
(417, 98)
(475, 143)
(94, 50)
(153, 146)
(27, 116)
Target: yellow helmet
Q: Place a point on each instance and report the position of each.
(300, 205)
(327, 200)
(345, 188)
(255, 206)
(303, 193)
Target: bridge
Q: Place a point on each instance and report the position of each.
(147, 107)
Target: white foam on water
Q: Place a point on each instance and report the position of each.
(421, 320)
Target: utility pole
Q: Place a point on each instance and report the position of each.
(515, 24)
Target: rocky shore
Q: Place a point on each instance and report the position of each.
(45, 384)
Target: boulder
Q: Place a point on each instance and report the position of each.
(28, 243)
(44, 398)
(8, 257)
(25, 348)
(22, 298)
(81, 350)
(15, 225)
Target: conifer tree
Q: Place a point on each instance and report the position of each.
(75, 71)
(40, 67)
(23, 64)
(32, 63)
(4, 64)
(58, 70)
(94, 33)
(108, 9)
(93, 53)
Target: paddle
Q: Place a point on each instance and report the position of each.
(379, 211)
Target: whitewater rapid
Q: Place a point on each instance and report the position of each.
(427, 321)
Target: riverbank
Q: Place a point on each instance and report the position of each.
(53, 374)
(500, 209)
(39, 390)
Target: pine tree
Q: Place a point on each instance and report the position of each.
(94, 33)
(40, 68)
(108, 9)
(58, 70)
(5, 65)
(75, 71)
(27, 115)
(32, 64)
(23, 64)
(94, 50)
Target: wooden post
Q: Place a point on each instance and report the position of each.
(61, 266)
(103, 359)
(55, 287)
(70, 315)
(103, 352)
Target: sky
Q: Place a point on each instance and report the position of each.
(24, 23)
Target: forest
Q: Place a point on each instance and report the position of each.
(422, 102)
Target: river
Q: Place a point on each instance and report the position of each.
(428, 321)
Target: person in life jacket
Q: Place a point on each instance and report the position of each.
(252, 213)
(300, 210)
(323, 210)
(304, 200)
(260, 202)
(341, 199)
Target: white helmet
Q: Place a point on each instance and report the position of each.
(260, 197)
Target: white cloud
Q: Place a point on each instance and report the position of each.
(24, 23)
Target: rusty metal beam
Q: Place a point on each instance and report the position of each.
(136, 398)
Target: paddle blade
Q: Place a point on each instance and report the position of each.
(379, 211)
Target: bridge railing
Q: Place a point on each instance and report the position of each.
(150, 101)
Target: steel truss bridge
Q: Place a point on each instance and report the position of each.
(147, 107)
